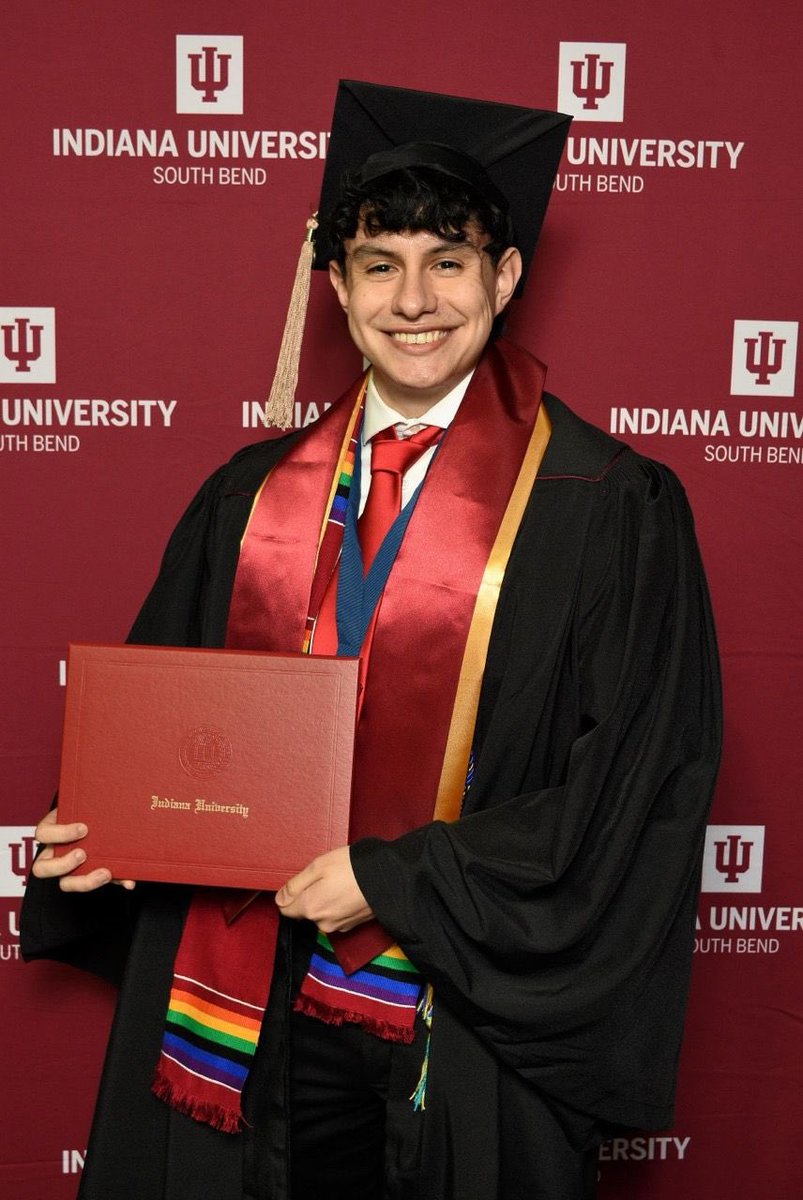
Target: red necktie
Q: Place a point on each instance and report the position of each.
(391, 456)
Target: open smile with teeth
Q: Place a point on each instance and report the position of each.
(420, 339)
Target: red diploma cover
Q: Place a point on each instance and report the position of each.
(219, 767)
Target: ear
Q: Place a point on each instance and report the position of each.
(508, 274)
(337, 278)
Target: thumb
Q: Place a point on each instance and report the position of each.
(295, 886)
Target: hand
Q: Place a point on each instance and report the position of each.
(326, 892)
(47, 866)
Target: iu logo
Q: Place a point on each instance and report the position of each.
(209, 74)
(22, 343)
(591, 80)
(17, 847)
(213, 76)
(27, 345)
(764, 358)
(734, 858)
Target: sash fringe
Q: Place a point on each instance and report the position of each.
(311, 1007)
(226, 1120)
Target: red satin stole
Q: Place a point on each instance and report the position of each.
(427, 606)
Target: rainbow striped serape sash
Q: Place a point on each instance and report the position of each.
(382, 996)
(211, 1033)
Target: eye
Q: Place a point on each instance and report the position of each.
(448, 264)
(380, 268)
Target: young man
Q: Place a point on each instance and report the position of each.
(491, 978)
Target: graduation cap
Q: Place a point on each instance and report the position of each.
(507, 154)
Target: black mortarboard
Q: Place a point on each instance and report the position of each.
(508, 154)
(503, 151)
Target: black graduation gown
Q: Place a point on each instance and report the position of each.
(555, 919)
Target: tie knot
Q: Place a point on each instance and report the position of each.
(391, 453)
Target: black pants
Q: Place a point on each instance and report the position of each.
(354, 1132)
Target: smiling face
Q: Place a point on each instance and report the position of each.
(420, 308)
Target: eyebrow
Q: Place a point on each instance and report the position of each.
(372, 249)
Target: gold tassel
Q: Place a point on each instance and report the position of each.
(279, 406)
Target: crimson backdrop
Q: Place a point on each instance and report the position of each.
(149, 230)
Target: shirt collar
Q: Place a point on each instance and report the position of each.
(379, 415)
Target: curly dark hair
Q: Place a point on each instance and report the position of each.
(412, 200)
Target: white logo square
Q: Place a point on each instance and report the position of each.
(17, 847)
(764, 358)
(733, 859)
(27, 345)
(591, 80)
(209, 74)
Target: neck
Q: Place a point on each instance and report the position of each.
(413, 403)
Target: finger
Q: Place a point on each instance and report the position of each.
(51, 866)
(50, 818)
(86, 883)
(316, 903)
(128, 884)
(50, 833)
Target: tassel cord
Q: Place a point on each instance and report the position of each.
(279, 406)
(419, 1096)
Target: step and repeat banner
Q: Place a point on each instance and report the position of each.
(158, 167)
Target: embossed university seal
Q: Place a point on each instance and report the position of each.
(204, 752)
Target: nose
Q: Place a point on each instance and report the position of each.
(414, 295)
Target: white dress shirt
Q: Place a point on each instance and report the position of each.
(379, 415)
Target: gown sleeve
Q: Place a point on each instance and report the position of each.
(556, 918)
